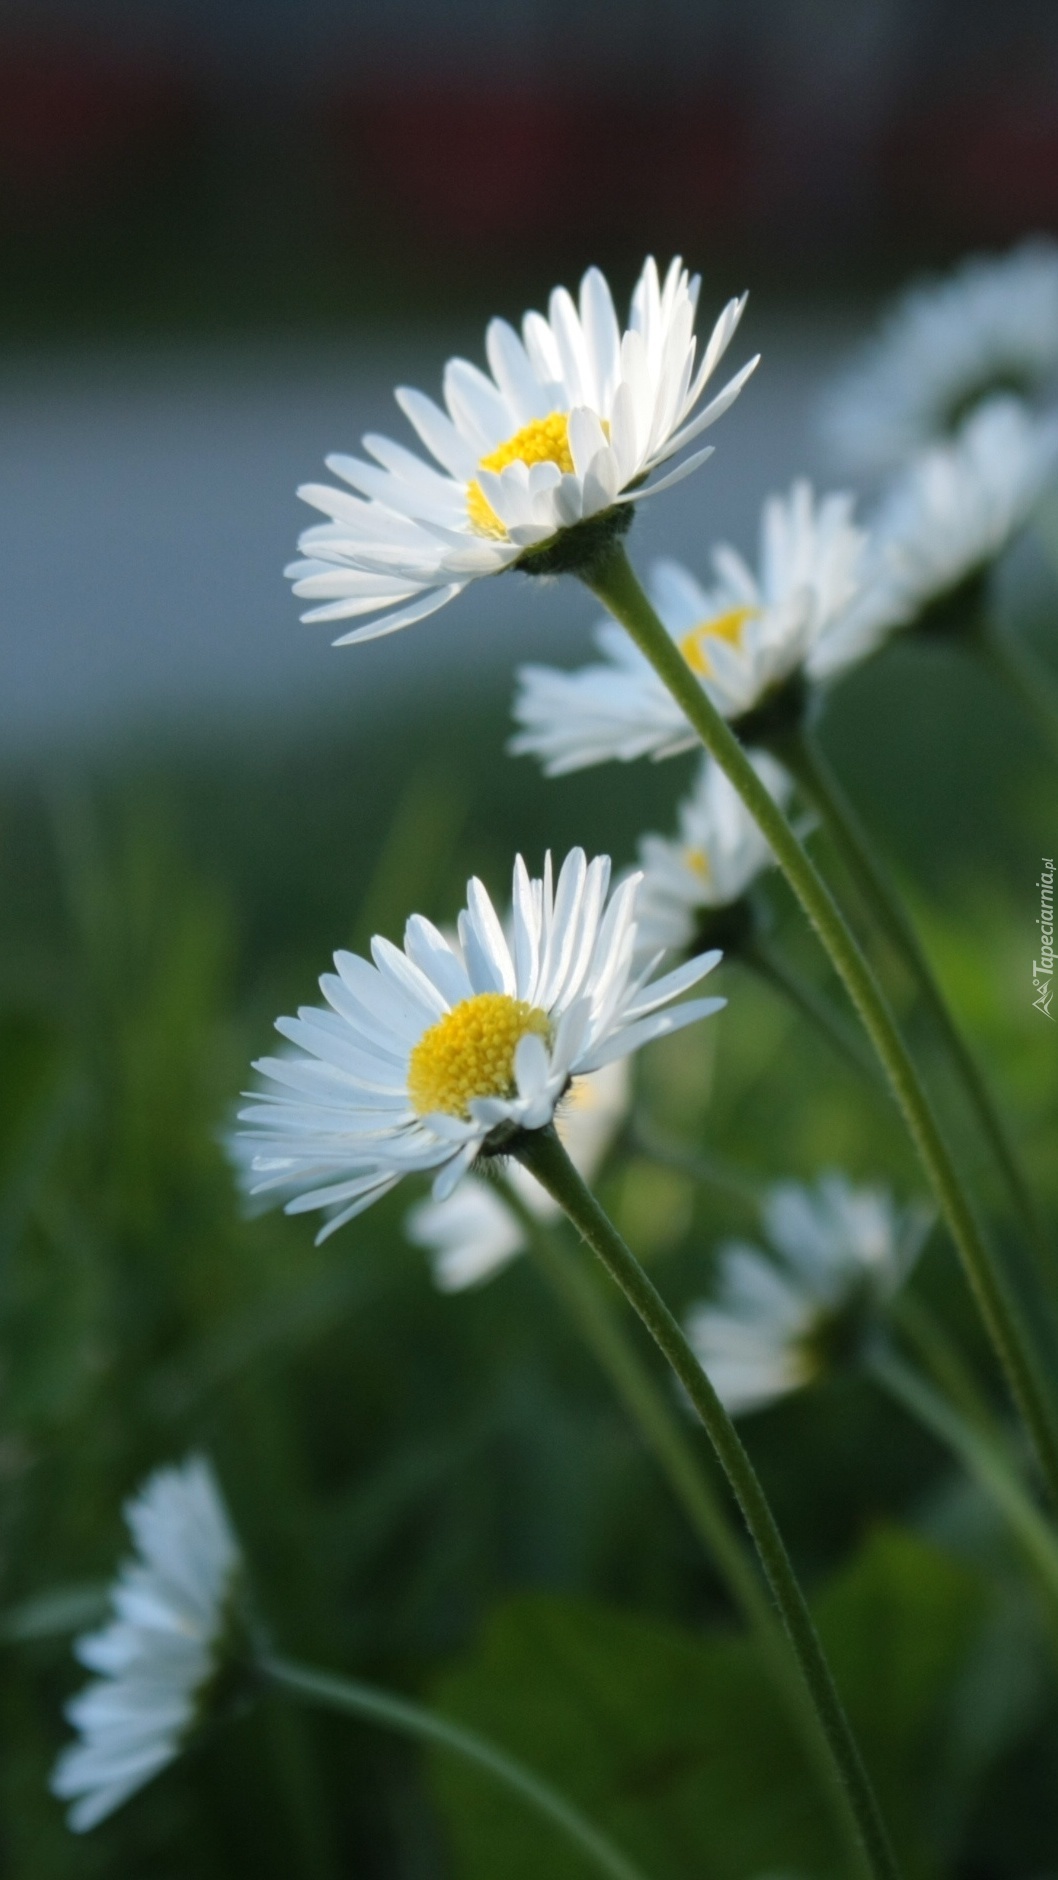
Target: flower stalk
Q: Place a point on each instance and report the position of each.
(1026, 676)
(364, 1701)
(813, 1006)
(578, 1290)
(615, 583)
(541, 1152)
(983, 1456)
(806, 762)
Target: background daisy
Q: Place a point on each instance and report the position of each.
(778, 1319)
(990, 326)
(957, 507)
(163, 1648)
(743, 638)
(717, 855)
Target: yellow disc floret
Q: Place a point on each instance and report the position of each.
(470, 1053)
(694, 645)
(698, 862)
(545, 440)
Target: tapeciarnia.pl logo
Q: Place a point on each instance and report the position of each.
(1043, 968)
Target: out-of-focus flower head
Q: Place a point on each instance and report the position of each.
(716, 857)
(160, 1659)
(946, 345)
(781, 1318)
(744, 639)
(950, 515)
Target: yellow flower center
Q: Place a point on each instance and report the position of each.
(545, 440)
(698, 862)
(470, 1053)
(724, 627)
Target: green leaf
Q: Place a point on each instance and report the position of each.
(676, 1743)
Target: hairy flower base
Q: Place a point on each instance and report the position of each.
(470, 1053)
(576, 550)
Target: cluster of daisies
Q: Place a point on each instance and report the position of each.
(436, 1056)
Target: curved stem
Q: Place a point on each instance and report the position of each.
(613, 580)
(812, 1005)
(981, 1454)
(664, 1435)
(543, 1154)
(805, 760)
(1027, 677)
(354, 1699)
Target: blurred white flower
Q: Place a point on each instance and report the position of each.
(952, 513)
(571, 420)
(474, 1232)
(743, 638)
(161, 1651)
(779, 1319)
(426, 1054)
(991, 326)
(718, 853)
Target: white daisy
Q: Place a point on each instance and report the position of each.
(991, 326)
(743, 639)
(435, 1053)
(954, 511)
(569, 422)
(162, 1649)
(837, 1255)
(718, 853)
(474, 1232)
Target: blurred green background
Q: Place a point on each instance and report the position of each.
(224, 238)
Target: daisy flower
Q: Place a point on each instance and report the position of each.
(161, 1654)
(743, 638)
(956, 508)
(991, 326)
(570, 421)
(434, 1053)
(837, 1254)
(718, 853)
(474, 1232)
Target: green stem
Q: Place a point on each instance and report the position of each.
(578, 1289)
(805, 760)
(960, 1390)
(938, 1352)
(542, 1153)
(983, 1457)
(613, 580)
(812, 1005)
(1027, 677)
(365, 1701)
